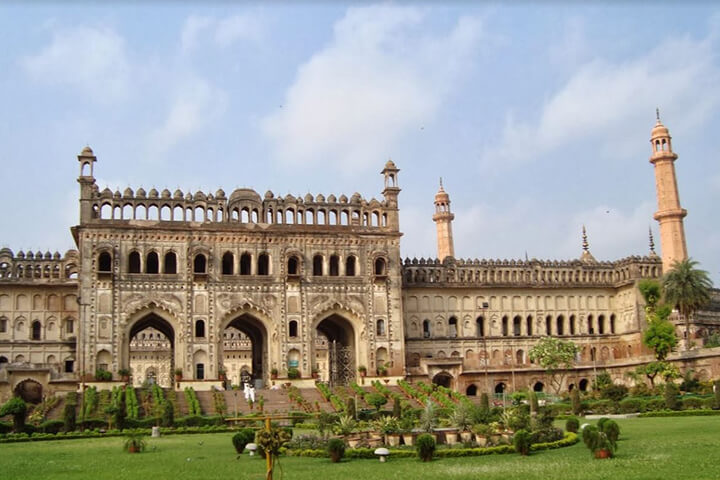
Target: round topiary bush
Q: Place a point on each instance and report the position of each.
(425, 446)
(522, 441)
(336, 449)
(242, 438)
(572, 425)
(612, 430)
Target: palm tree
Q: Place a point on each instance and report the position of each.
(687, 289)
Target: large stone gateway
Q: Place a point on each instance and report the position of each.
(200, 289)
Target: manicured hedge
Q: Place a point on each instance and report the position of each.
(681, 413)
(570, 439)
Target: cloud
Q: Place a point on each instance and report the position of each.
(381, 76)
(607, 105)
(93, 60)
(194, 104)
(223, 32)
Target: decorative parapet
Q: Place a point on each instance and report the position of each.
(528, 273)
(244, 206)
(43, 267)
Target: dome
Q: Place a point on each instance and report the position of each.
(178, 194)
(128, 193)
(87, 151)
(200, 196)
(390, 165)
(331, 198)
(244, 195)
(141, 192)
(308, 198)
(269, 195)
(220, 193)
(165, 193)
(660, 130)
(106, 192)
(153, 193)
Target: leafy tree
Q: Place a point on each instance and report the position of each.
(660, 333)
(687, 289)
(376, 400)
(18, 409)
(651, 290)
(557, 357)
(666, 370)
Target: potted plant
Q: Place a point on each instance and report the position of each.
(134, 443)
(222, 374)
(598, 442)
(178, 374)
(382, 370)
(406, 430)
(362, 369)
(345, 425)
(274, 373)
(124, 374)
(336, 449)
(293, 373)
(315, 372)
(428, 419)
(389, 427)
(482, 433)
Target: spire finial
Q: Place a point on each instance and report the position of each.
(657, 114)
(585, 244)
(441, 185)
(652, 241)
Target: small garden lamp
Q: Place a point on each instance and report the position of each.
(383, 453)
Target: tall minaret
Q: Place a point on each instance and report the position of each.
(669, 214)
(443, 218)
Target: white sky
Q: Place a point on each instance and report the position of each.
(537, 117)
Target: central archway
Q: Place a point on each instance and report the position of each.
(151, 351)
(252, 343)
(337, 339)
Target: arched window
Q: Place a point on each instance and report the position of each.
(505, 326)
(245, 264)
(293, 266)
(134, 262)
(426, 328)
(293, 328)
(601, 324)
(480, 326)
(612, 323)
(380, 327)
(200, 371)
(500, 388)
(548, 325)
(572, 324)
(36, 330)
(317, 265)
(561, 325)
(200, 328)
(334, 265)
(471, 391)
(350, 266)
(529, 325)
(170, 263)
(3, 325)
(104, 262)
(517, 326)
(538, 387)
(263, 264)
(199, 264)
(228, 260)
(69, 326)
(590, 328)
(152, 264)
(519, 357)
(380, 267)
(452, 327)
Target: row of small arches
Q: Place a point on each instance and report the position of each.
(526, 326)
(288, 216)
(151, 264)
(439, 274)
(36, 330)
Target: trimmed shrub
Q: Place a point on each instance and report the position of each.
(52, 426)
(602, 406)
(632, 405)
(614, 392)
(485, 402)
(692, 403)
(575, 401)
(350, 407)
(572, 424)
(522, 442)
(425, 447)
(336, 449)
(69, 417)
(242, 438)
(18, 409)
(716, 397)
(168, 415)
(655, 404)
(671, 397)
(376, 400)
(612, 430)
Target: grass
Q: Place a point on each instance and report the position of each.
(649, 448)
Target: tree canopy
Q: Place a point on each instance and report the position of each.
(556, 357)
(686, 288)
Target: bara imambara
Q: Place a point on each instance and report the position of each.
(217, 287)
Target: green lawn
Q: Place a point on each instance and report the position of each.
(650, 448)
